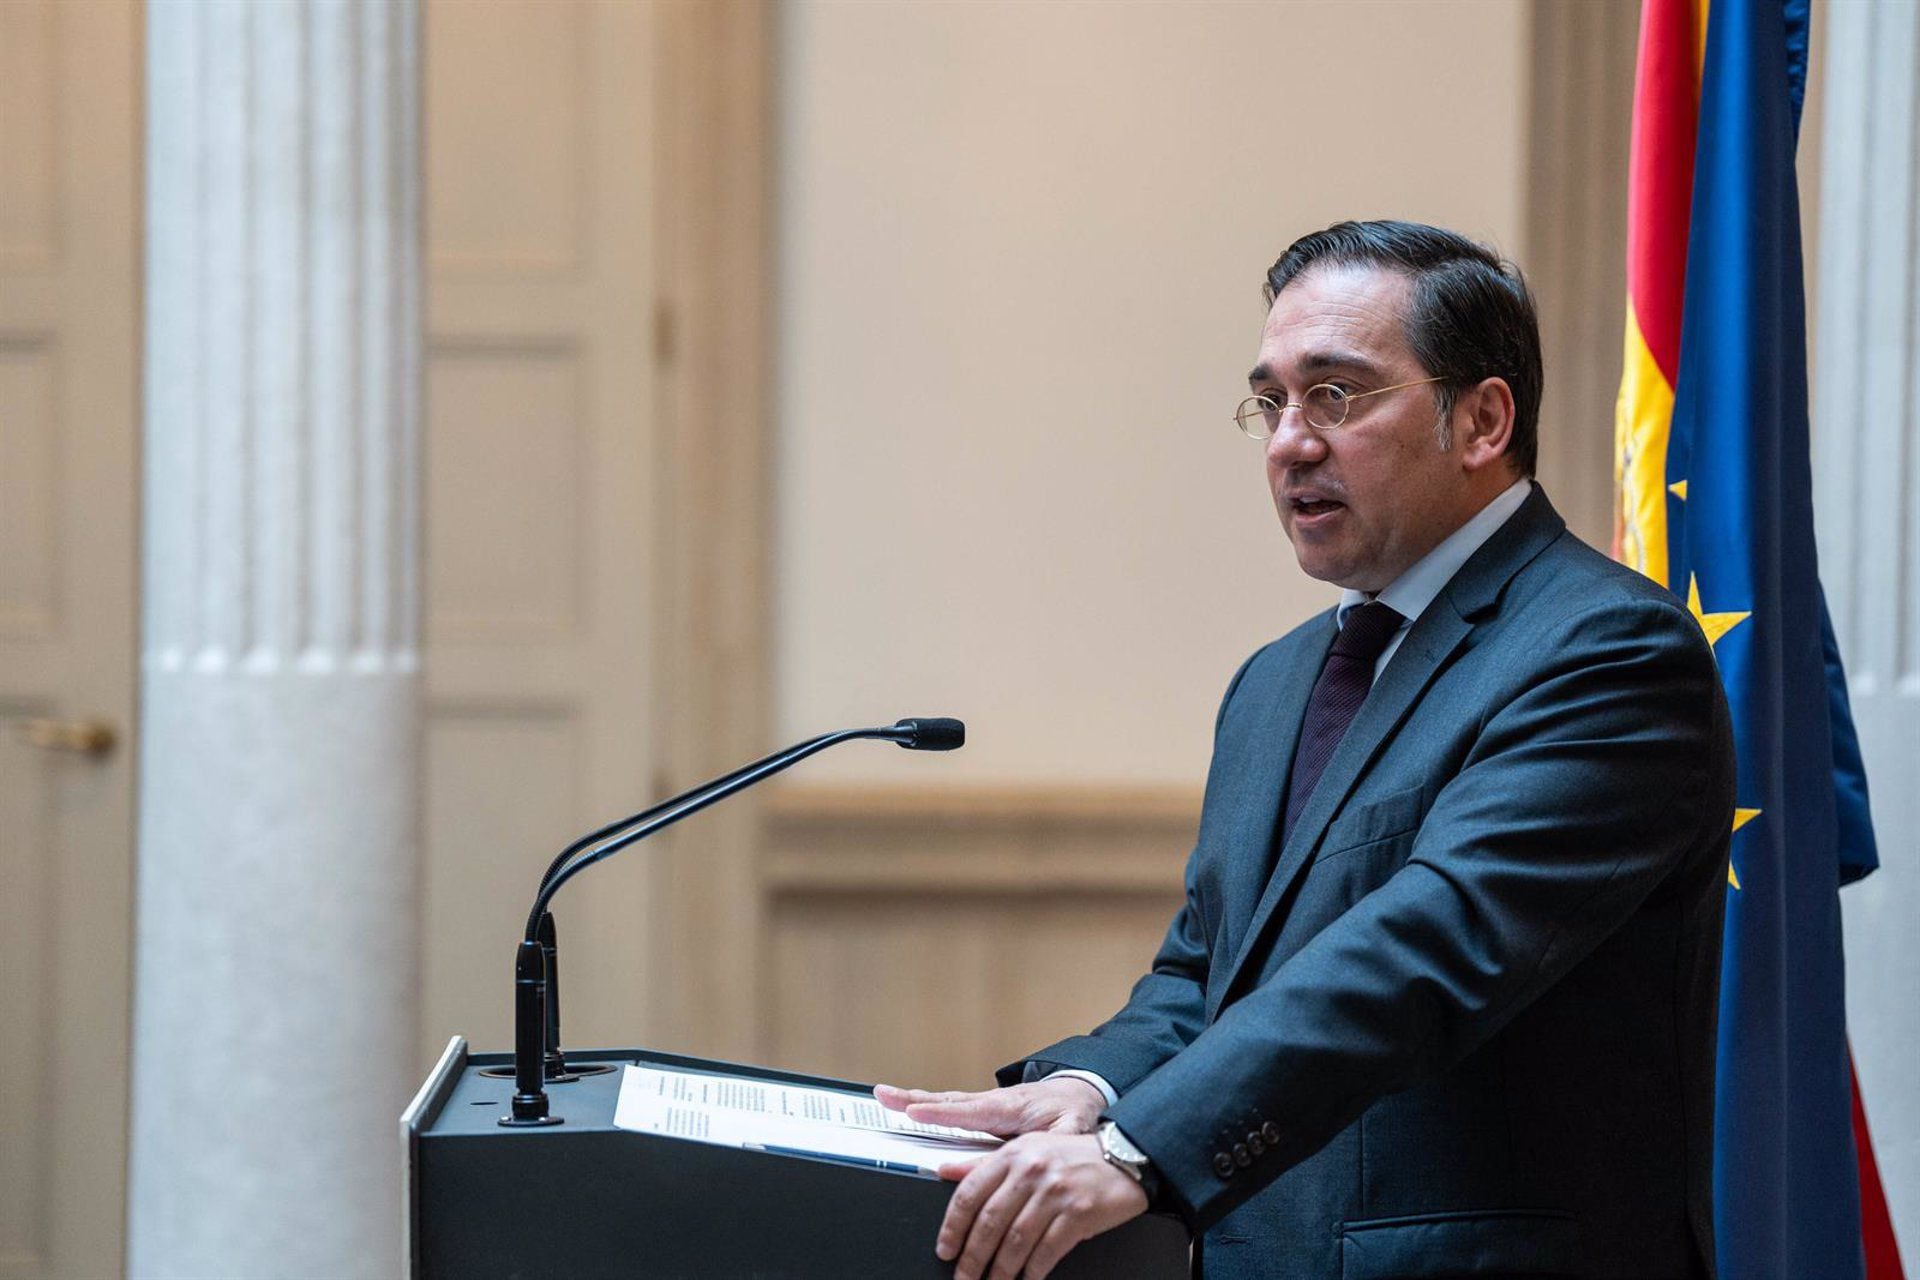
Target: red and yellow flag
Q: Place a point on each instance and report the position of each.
(1666, 118)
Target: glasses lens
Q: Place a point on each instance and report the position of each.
(1258, 417)
(1325, 406)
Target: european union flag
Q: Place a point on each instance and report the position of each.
(1740, 546)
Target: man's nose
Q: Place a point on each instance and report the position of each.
(1293, 441)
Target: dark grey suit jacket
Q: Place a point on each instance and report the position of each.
(1463, 1022)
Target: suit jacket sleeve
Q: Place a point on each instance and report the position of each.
(1604, 776)
(1166, 1008)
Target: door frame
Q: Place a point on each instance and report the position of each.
(713, 348)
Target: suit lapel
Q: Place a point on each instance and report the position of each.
(1431, 642)
(1273, 748)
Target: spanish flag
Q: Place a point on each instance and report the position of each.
(1715, 501)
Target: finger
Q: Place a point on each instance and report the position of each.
(899, 1099)
(1023, 1233)
(955, 1170)
(1059, 1239)
(978, 1182)
(893, 1097)
(994, 1112)
(991, 1222)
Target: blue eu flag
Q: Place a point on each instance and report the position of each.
(1740, 545)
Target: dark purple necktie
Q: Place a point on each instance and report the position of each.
(1336, 699)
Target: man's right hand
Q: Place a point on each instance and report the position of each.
(1063, 1105)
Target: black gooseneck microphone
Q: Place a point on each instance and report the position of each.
(536, 1022)
(554, 1064)
(934, 734)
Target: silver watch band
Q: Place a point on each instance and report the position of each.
(1121, 1153)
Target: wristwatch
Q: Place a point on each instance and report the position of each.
(1124, 1156)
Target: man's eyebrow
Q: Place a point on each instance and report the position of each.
(1339, 360)
(1317, 362)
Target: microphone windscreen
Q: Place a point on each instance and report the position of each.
(939, 733)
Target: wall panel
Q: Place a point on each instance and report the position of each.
(1580, 71)
(29, 132)
(31, 488)
(505, 532)
(927, 937)
(27, 850)
(512, 84)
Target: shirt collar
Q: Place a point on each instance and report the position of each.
(1411, 592)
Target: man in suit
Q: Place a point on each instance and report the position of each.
(1441, 998)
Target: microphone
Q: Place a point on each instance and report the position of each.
(536, 1027)
(937, 734)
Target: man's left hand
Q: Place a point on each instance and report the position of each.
(1031, 1201)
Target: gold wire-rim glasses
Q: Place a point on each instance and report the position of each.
(1251, 416)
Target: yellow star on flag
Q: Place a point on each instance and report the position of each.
(1714, 624)
(1741, 817)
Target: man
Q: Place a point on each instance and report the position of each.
(1441, 999)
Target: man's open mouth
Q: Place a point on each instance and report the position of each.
(1315, 506)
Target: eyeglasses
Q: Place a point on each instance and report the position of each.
(1324, 407)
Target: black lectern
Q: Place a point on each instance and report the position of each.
(583, 1199)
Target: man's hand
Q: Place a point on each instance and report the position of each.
(1029, 1202)
(1064, 1105)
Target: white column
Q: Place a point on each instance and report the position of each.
(1866, 442)
(280, 769)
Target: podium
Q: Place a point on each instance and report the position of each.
(584, 1199)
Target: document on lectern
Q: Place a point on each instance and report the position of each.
(742, 1111)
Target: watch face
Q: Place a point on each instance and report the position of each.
(1116, 1142)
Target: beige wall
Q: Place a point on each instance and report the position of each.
(1020, 248)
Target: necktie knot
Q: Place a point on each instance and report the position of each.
(1367, 630)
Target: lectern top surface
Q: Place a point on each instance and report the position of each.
(476, 1102)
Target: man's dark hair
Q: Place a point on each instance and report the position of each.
(1472, 316)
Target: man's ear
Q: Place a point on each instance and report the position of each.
(1483, 423)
